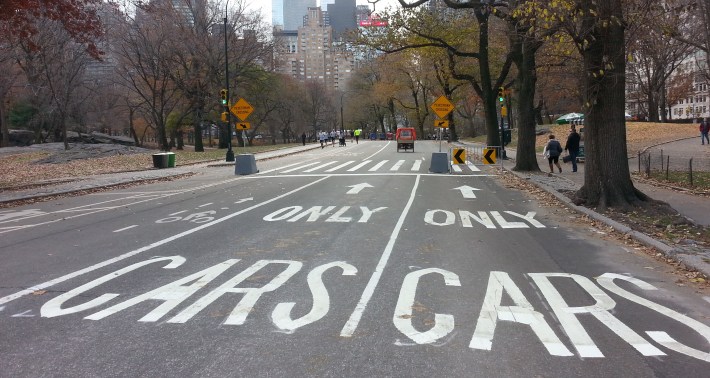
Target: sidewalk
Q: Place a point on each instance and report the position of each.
(694, 207)
(78, 184)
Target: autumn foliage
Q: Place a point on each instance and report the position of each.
(77, 17)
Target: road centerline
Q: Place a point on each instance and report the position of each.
(354, 320)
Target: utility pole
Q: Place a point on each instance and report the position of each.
(230, 153)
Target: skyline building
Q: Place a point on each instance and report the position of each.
(289, 14)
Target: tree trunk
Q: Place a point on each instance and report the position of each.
(197, 129)
(607, 181)
(4, 129)
(489, 100)
(524, 49)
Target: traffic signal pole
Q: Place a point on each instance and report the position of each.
(501, 100)
(230, 153)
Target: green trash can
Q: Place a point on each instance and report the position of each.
(171, 159)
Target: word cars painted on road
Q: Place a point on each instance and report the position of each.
(492, 312)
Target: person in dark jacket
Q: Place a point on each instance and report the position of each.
(552, 151)
(572, 146)
(303, 138)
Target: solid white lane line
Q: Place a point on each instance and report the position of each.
(355, 317)
(126, 228)
(124, 256)
(378, 151)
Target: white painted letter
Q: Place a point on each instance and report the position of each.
(251, 294)
(321, 300)
(337, 216)
(443, 323)
(429, 218)
(313, 213)
(606, 280)
(482, 218)
(277, 215)
(528, 217)
(600, 310)
(367, 213)
(523, 313)
(505, 224)
(171, 294)
(54, 306)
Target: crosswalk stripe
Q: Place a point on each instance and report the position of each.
(417, 164)
(340, 166)
(276, 169)
(320, 166)
(355, 168)
(397, 165)
(300, 167)
(456, 168)
(472, 167)
(378, 165)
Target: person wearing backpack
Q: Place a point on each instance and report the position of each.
(552, 151)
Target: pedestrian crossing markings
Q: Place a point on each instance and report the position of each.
(386, 165)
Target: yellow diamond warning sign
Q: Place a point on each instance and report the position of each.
(241, 109)
(442, 106)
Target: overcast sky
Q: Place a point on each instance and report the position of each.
(265, 6)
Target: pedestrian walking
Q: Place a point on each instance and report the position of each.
(357, 135)
(323, 139)
(704, 131)
(572, 146)
(552, 151)
(332, 137)
(303, 138)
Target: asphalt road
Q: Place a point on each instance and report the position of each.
(345, 261)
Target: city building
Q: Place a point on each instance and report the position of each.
(288, 14)
(692, 95)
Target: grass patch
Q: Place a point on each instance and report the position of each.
(701, 180)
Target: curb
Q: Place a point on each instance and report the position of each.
(640, 237)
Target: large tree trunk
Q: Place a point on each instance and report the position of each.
(197, 129)
(607, 181)
(524, 57)
(489, 99)
(4, 129)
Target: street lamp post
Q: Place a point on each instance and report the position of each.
(230, 153)
(342, 122)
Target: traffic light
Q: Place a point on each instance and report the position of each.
(501, 94)
(223, 94)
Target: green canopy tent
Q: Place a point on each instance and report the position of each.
(568, 118)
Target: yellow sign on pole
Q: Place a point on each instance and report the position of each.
(241, 109)
(503, 111)
(442, 106)
(242, 125)
(443, 123)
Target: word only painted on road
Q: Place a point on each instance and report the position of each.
(492, 314)
(470, 219)
(345, 214)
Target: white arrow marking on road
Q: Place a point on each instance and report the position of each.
(466, 191)
(24, 315)
(245, 199)
(357, 188)
(2, 308)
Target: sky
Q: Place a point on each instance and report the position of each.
(265, 5)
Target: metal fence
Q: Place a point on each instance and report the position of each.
(675, 167)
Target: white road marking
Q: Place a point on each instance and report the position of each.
(355, 168)
(124, 256)
(340, 166)
(126, 228)
(300, 167)
(417, 164)
(397, 165)
(378, 166)
(466, 191)
(25, 314)
(207, 204)
(378, 151)
(456, 168)
(276, 169)
(358, 187)
(355, 317)
(320, 166)
(472, 167)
